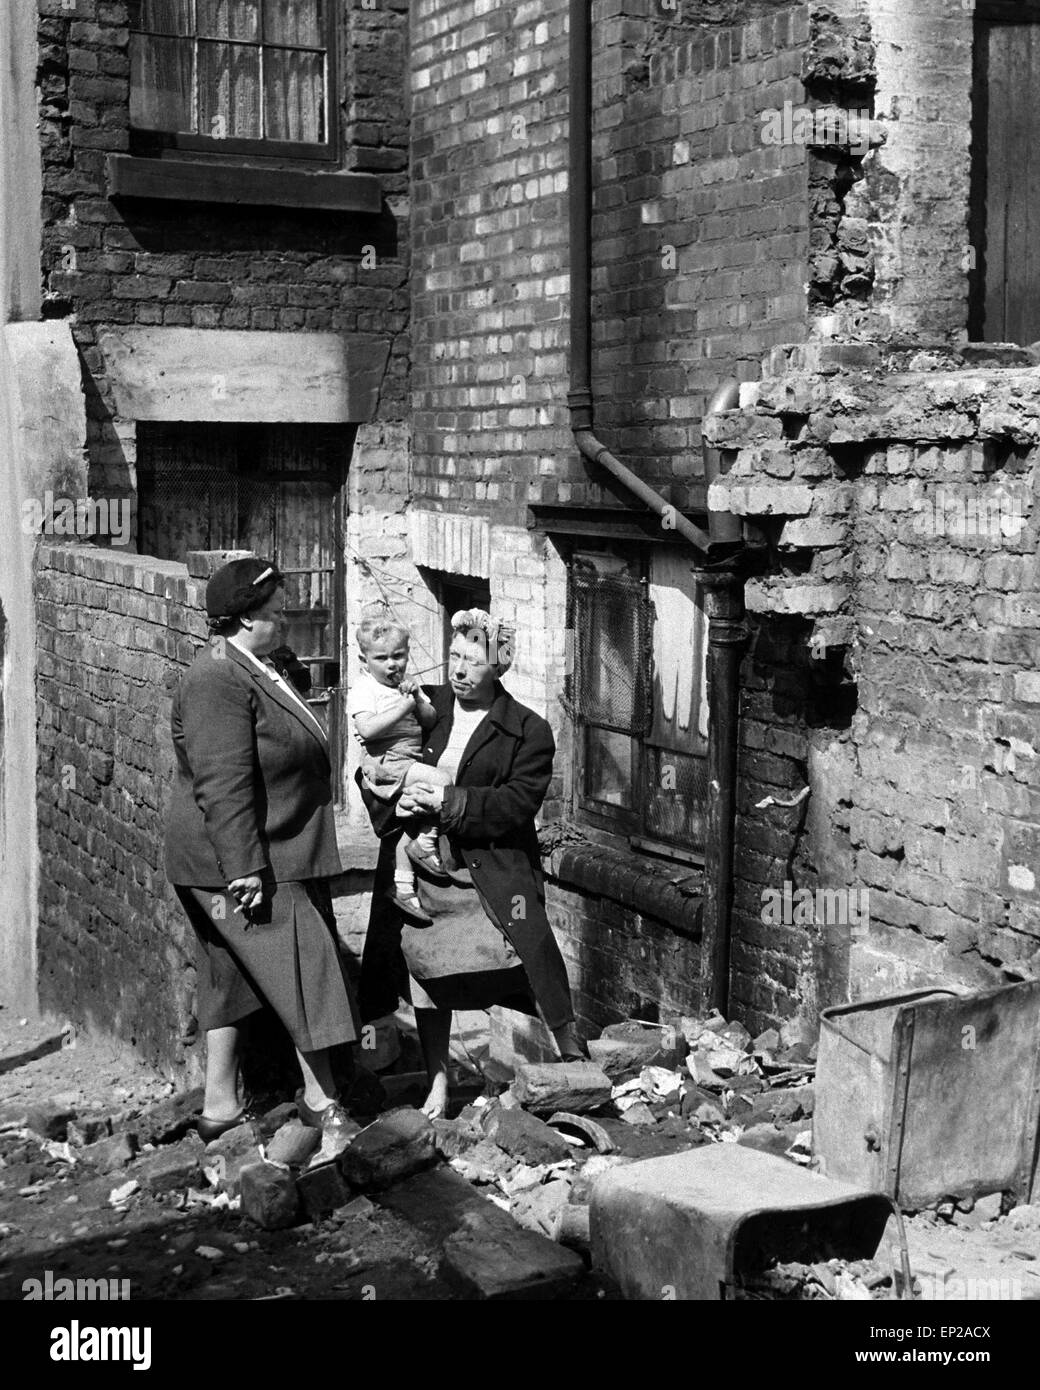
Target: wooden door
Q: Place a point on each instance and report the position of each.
(1004, 264)
(276, 490)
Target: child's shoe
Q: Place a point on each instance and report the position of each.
(409, 905)
(428, 858)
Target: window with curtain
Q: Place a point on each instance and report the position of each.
(235, 75)
(638, 695)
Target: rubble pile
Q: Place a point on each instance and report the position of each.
(829, 1280)
(504, 1188)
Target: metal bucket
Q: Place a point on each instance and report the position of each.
(932, 1094)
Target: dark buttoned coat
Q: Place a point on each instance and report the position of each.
(488, 816)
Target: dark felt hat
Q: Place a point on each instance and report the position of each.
(240, 587)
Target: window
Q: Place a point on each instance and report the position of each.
(236, 76)
(637, 692)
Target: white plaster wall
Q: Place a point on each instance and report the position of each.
(19, 295)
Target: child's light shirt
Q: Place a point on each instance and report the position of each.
(404, 736)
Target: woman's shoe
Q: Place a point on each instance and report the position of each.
(409, 906)
(337, 1127)
(208, 1129)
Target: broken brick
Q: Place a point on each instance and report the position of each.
(294, 1144)
(509, 1264)
(322, 1189)
(88, 1129)
(48, 1119)
(624, 1049)
(524, 1136)
(455, 1137)
(171, 1168)
(227, 1155)
(485, 1162)
(274, 1119)
(169, 1120)
(574, 1086)
(269, 1196)
(109, 1155)
(394, 1146)
(540, 1208)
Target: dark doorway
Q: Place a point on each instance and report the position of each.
(454, 592)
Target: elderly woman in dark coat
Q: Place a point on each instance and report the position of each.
(490, 942)
(250, 847)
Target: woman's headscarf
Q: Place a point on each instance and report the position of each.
(498, 637)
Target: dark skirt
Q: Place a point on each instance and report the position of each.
(287, 957)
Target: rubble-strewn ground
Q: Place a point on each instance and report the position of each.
(168, 1219)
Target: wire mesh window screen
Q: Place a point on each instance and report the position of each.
(675, 797)
(612, 619)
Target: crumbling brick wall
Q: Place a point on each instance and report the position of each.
(890, 208)
(115, 950)
(894, 497)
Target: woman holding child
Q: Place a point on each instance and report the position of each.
(486, 766)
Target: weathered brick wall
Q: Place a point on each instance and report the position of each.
(219, 266)
(700, 240)
(700, 252)
(900, 598)
(115, 950)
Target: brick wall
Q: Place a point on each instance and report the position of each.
(115, 950)
(700, 252)
(892, 672)
(700, 240)
(913, 201)
(218, 266)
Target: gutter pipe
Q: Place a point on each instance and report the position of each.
(718, 550)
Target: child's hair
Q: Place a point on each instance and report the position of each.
(372, 629)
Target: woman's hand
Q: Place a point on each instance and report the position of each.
(248, 891)
(420, 800)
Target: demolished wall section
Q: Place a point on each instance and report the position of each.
(895, 503)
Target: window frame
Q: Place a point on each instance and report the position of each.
(242, 147)
(611, 822)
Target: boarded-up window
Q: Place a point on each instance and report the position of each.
(1003, 259)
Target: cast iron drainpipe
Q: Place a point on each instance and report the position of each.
(718, 548)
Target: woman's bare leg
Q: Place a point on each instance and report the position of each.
(223, 1073)
(319, 1088)
(434, 1027)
